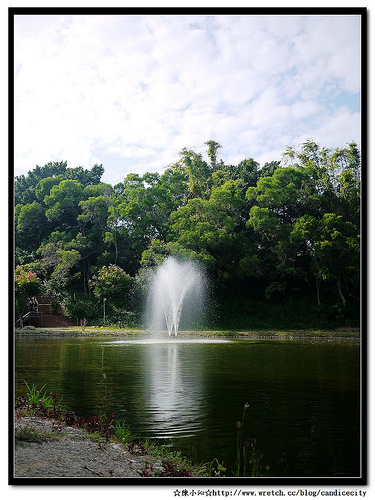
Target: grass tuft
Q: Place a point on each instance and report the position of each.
(30, 435)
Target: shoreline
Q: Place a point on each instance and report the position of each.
(47, 448)
(344, 333)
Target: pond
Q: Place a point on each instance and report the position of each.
(303, 395)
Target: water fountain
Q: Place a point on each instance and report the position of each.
(176, 296)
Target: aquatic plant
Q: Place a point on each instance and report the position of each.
(123, 433)
(216, 468)
(239, 448)
(38, 403)
(170, 470)
(39, 396)
(243, 459)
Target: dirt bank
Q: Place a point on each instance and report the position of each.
(339, 333)
(69, 452)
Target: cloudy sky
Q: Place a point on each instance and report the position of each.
(130, 92)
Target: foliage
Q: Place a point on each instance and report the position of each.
(123, 433)
(243, 459)
(269, 236)
(239, 448)
(37, 403)
(79, 307)
(27, 284)
(111, 282)
(170, 470)
(30, 435)
(37, 396)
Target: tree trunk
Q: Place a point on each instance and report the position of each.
(318, 281)
(340, 293)
(86, 276)
(350, 293)
(116, 250)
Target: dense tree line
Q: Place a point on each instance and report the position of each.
(280, 242)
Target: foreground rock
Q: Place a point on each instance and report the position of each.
(69, 452)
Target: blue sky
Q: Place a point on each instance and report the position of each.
(131, 91)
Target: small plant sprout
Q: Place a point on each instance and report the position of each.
(39, 396)
(216, 468)
(239, 426)
(242, 452)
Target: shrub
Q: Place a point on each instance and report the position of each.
(112, 283)
(27, 284)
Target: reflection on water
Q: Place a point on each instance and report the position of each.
(169, 341)
(304, 395)
(175, 391)
(173, 385)
(167, 390)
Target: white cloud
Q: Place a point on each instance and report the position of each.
(135, 90)
(343, 127)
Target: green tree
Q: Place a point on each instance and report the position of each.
(30, 225)
(27, 285)
(113, 284)
(45, 185)
(269, 168)
(213, 148)
(278, 201)
(198, 172)
(59, 259)
(336, 176)
(86, 177)
(212, 228)
(63, 202)
(283, 230)
(334, 247)
(25, 185)
(141, 214)
(247, 171)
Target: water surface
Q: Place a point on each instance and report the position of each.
(304, 396)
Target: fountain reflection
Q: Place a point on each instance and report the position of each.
(171, 399)
(175, 390)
